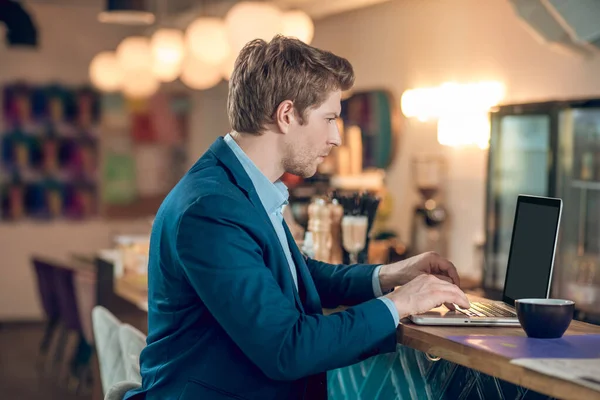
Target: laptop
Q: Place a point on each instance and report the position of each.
(528, 273)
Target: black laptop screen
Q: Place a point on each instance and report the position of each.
(531, 255)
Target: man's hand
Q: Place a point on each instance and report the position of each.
(430, 263)
(424, 293)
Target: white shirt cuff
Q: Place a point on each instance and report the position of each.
(376, 284)
(390, 305)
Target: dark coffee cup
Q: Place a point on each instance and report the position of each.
(545, 318)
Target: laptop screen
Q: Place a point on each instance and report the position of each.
(531, 257)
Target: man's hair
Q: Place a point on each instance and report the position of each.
(265, 74)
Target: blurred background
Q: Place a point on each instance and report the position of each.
(459, 105)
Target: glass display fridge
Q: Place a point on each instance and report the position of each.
(547, 149)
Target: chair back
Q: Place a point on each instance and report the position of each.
(44, 274)
(108, 348)
(119, 389)
(67, 301)
(85, 291)
(132, 343)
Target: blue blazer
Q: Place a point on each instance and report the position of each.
(224, 317)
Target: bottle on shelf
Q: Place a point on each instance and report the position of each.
(319, 224)
(336, 212)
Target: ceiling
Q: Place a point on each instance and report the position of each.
(568, 26)
(320, 9)
(181, 12)
(316, 8)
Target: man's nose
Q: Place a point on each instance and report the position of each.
(335, 138)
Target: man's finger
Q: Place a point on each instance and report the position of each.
(446, 266)
(462, 300)
(452, 294)
(444, 278)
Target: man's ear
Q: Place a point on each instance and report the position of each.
(285, 115)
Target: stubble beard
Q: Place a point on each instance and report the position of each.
(298, 162)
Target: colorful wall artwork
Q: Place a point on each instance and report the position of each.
(144, 152)
(71, 153)
(49, 152)
(376, 114)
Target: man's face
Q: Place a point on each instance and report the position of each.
(306, 146)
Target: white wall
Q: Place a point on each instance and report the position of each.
(209, 119)
(18, 295)
(406, 43)
(69, 37)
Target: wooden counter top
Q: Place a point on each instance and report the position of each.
(133, 291)
(434, 341)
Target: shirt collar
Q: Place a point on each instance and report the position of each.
(272, 195)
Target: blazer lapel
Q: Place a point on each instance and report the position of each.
(306, 284)
(258, 204)
(222, 151)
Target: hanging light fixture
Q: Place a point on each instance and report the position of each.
(134, 53)
(126, 12)
(249, 20)
(105, 72)
(207, 39)
(135, 58)
(167, 46)
(200, 75)
(298, 24)
(140, 84)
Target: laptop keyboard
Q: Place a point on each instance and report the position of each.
(479, 309)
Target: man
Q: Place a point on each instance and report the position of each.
(235, 310)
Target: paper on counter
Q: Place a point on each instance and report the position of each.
(585, 372)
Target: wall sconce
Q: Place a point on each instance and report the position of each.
(461, 110)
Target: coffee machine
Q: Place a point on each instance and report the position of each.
(429, 219)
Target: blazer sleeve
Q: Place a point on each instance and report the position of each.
(223, 261)
(342, 284)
